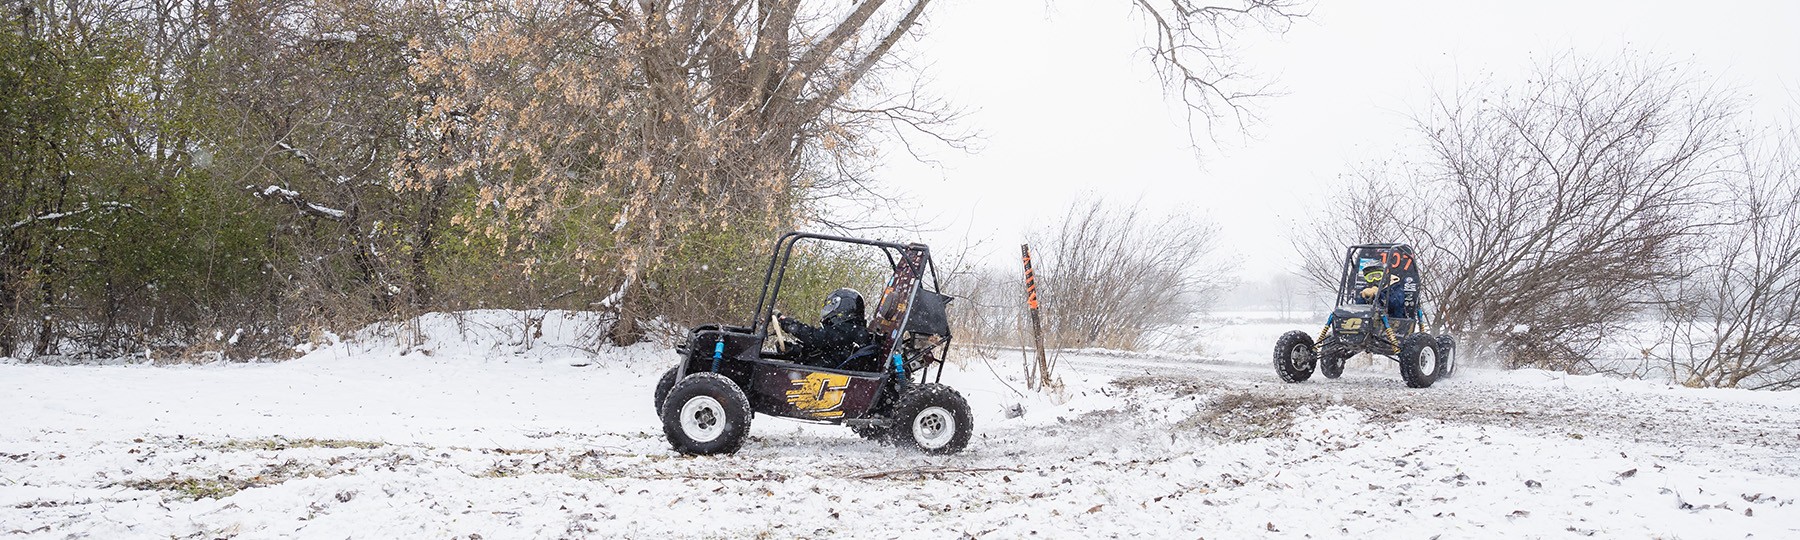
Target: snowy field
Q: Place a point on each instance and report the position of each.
(465, 436)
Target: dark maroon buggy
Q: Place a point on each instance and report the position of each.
(727, 373)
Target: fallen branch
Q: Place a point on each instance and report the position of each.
(931, 470)
(746, 477)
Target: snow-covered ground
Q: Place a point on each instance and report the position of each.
(466, 436)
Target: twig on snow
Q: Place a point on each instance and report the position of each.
(931, 470)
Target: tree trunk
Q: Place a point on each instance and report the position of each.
(10, 275)
(425, 236)
(368, 264)
(625, 330)
(46, 334)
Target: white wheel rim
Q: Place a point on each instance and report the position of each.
(702, 418)
(934, 427)
(1449, 360)
(1427, 361)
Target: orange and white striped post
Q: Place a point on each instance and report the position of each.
(1037, 328)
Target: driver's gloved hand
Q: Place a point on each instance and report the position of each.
(781, 334)
(788, 324)
(1369, 293)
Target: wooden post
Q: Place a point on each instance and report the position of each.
(1037, 328)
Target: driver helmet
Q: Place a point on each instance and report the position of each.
(842, 305)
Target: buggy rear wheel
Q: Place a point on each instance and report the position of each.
(932, 418)
(1419, 364)
(662, 389)
(1447, 360)
(1332, 366)
(1294, 356)
(706, 413)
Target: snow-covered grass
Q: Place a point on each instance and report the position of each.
(452, 429)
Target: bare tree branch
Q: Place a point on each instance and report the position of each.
(1195, 51)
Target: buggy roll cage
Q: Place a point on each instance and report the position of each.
(777, 273)
(1346, 292)
(784, 250)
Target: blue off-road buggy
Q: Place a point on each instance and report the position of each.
(726, 374)
(1381, 310)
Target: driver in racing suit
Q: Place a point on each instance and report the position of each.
(1392, 297)
(841, 330)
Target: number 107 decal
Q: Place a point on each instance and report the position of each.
(1398, 261)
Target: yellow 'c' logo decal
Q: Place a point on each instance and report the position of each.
(820, 394)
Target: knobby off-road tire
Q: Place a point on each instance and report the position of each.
(662, 389)
(932, 418)
(1447, 360)
(1419, 360)
(706, 413)
(1332, 367)
(1294, 358)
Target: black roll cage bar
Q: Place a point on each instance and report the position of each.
(784, 250)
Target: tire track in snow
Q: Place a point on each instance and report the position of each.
(1738, 432)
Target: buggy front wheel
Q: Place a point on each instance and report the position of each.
(706, 413)
(932, 418)
(1419, 361)
(1294, 356)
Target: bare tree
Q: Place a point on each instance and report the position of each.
(1566, 201)
(1736, 323)
(620, 129)
(1546, 211)
(1110, 274)
(1285, 290)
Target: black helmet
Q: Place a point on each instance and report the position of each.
(842, 305)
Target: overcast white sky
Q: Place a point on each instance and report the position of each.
(1068, 105)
